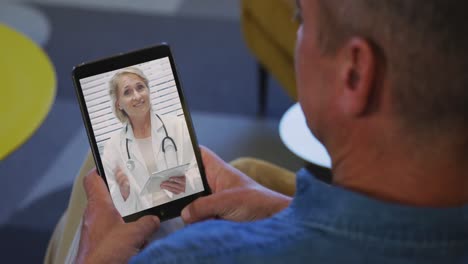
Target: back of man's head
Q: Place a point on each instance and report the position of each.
(423, 49)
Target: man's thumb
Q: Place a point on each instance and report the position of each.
(143, 229)
(205, 207)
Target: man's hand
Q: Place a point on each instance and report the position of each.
(122, 181)
(105, 238)
(175, 184)
(235, 196)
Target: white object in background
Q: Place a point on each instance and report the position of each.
(27, 20)
(163, 7)
(297, 137)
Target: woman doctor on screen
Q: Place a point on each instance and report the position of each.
(147, 143)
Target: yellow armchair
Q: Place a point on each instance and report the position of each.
(270, 33)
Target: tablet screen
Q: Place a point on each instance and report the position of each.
(138, 122)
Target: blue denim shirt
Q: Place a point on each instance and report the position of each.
(323, 224)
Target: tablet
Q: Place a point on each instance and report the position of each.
(137, 121)
(156, 178)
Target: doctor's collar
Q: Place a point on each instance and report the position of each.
(155, 122)
(156, 126)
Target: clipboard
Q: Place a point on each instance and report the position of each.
(156, 178)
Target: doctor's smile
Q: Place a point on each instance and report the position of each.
(139, 104)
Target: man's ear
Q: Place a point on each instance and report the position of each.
(358, 74)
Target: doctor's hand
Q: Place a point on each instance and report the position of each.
(105, 238)
(122, 181)
(175, 184)
(235, 197)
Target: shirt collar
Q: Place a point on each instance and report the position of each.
(350, 211)
(156, 125)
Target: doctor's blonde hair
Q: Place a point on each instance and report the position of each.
(114, 86)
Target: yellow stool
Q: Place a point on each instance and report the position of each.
(27, 88)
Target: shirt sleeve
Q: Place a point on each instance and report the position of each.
(217, 241)
(198, 243)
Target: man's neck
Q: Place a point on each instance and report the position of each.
(434, 176)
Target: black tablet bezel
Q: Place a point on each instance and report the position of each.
(168, 210)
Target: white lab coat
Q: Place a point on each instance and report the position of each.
(115, 154)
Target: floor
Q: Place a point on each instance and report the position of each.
(213, 62)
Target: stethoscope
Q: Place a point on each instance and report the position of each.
(131, 162)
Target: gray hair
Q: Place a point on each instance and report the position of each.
(114, 86)
(423, 50)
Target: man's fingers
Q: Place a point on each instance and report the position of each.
(212, 164)
(95, 188)
(142, 230)
(207, 207)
